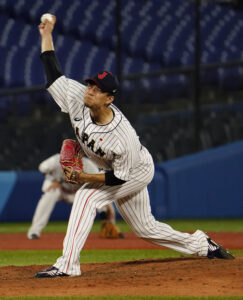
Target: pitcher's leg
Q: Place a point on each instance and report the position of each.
(87, 200)
(80, 223)
(136, 211)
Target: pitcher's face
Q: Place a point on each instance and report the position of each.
(95, 98)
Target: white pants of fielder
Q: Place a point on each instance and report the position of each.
(50, 197)
(132, 201)
(45, 207)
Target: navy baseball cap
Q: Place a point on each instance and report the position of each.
(105, 80)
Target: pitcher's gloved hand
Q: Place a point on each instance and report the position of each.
(71, 160)
(72, 174)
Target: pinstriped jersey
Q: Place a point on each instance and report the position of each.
(114, 146)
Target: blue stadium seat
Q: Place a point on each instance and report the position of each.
(72, 16)
(129, 22)
(156, 50)
(74, 66)
(41, 7)
(29, 37)
(105, 33)
(14, 66)
(7, 25)
(63, 47)
(22, 9)
(99, 60)
(33, 70)
(87, 26)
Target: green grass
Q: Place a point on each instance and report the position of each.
(230, 225)
(46, 257)
(125, 297)
(37, 257)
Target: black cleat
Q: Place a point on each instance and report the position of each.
(217, 251)
(50, 273)
(33, 237)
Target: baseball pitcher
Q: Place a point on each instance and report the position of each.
(107, 137)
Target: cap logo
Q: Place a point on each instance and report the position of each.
(101, 76)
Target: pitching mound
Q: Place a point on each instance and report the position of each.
(181, 276)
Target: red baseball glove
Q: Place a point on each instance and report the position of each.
(71, 160)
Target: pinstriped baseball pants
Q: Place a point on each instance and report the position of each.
(132, 202)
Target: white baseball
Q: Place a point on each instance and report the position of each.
(48, 17)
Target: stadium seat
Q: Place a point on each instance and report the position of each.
(33, 70)
(14, 75)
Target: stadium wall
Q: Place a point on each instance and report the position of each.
(208, 184)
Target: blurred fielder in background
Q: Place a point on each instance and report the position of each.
(55, 188)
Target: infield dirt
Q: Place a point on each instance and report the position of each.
(192, 276)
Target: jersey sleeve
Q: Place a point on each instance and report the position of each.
(66, 93)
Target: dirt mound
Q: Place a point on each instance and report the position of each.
(173, 276)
